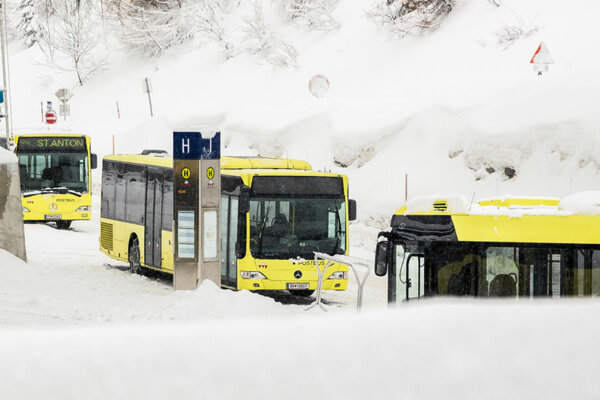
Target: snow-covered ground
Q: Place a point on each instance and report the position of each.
(68, 281)
(451, 110)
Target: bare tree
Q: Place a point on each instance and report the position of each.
(261, 40)
(151, 27)
(313, 14)
(210, 23)
(76, 34)
(27, 25)
(411, 17)
(510, 33)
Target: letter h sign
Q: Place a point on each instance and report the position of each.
(186, 145)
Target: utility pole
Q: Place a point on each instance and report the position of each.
(5, 75)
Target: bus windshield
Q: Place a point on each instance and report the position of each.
(283, 228)
(61, 172)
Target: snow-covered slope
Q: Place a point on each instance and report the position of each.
(441, 108)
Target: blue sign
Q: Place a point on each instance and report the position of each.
(1, 96)
(191, 146)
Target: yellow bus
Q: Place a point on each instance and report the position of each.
(56, 182)
(506, 247)
(275, 213)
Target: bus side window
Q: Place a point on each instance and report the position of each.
(108, 190)
(120, 191)
(135, 196)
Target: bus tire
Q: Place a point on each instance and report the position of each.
(135, 266)
(63, 224)
(302, 293)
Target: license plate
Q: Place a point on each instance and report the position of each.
(297, 286)
(50, 216)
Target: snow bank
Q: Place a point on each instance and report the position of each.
(496, 350)
(8, 260)
(7, 157)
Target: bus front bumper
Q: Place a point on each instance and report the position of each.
(69, 216)
(264, 284)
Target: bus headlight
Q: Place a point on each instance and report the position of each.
(25, 210)
(338, 275)
(252, 275)
(83, 209)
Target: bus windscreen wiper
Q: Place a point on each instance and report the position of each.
(262, 230)
(63, 190)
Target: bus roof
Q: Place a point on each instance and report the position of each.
(49, 134)
(573, 219)
(227, 163)
(457, 204)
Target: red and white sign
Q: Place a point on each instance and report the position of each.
(50, 117)
(542, 55)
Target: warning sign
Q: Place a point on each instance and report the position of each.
(186, 173)
(542, 55)
(541, 59)
(210, 173)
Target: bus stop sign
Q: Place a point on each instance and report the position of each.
(196, 201)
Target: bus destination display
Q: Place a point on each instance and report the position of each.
(48, 143)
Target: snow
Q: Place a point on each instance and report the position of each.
(7, 157)
(453, 110)
(582, 203)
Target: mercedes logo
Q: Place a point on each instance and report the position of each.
(298, 274)
(53, 207)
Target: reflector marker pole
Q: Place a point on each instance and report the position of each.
(321, 272)
(346, 260)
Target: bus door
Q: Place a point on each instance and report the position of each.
(229, 235)
(410, 279)
(153, 220)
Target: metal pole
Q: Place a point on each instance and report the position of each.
(5, 75)
(149, 98)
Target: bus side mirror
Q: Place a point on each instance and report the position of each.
(352, 210)
(381, 257)
(94, 161)
(244, 206)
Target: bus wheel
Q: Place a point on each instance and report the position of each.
(134, 257)
(302, 293)
(63, 224)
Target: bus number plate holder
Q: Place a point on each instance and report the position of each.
(297, 286)
(52, 217)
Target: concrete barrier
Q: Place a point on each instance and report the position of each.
(12, 235)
